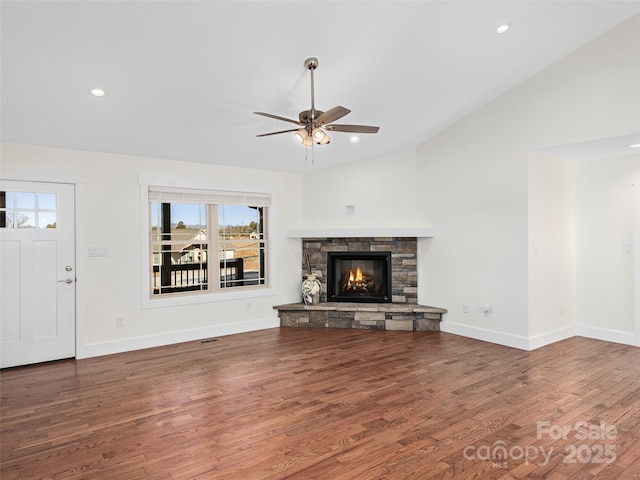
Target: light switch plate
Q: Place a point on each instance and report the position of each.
(98, 251)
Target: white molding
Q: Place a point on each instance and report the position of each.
(532, 343)
(615, 336)
(508, 340)
(130, 344)
(330, 232)
(47, 175)
(551, 337)
(636, 256)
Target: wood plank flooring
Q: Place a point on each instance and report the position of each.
(292, 403)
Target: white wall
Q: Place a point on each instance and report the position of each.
(476, 184)
(109, 214)
(605, 215)
(379, 188)
(552, 239)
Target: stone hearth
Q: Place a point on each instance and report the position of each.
(370, 316)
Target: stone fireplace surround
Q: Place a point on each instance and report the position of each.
(403, 313)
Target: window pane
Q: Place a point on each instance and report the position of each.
(25, 220)
(188, 215)
(179, 270)
(26, 200)
(179, 222)
(179, 247)
(239, 221)
(7, 219)
(46, 201)
(47, 220)
(245, 256)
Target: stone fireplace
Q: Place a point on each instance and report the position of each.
(397, 309)
(403, 265)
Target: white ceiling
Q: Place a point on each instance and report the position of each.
(185, 76)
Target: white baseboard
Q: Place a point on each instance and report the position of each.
(531, 343)
(485, 335)
(551, 337)
(129, 344)
(614, 336)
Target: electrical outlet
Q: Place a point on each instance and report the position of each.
(119, 321)
(465, 308)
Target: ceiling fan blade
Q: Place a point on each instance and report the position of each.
(279, 118)
(276, 133)
(332, 115)
(352, 128)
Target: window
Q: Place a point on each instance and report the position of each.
(27, 210)
(206, 241)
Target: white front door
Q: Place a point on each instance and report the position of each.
(37, 272)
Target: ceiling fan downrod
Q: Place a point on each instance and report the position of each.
(311, 64)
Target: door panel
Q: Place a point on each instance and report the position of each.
(37, 279)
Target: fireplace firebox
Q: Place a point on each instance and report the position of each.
(359, 277)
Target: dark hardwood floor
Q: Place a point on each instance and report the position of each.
(328, 404)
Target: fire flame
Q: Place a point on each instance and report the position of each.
(358, 276)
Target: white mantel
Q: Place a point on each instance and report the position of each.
(347, 232)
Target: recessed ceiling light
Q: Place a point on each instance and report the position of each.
(504, 28)
(98, 92)
(354, 139)
(635, 145)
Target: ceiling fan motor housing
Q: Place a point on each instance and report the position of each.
(307, 116)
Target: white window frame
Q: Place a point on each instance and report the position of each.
(234, 188)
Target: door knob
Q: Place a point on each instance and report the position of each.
(66, 280)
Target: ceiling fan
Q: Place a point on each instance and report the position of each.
(313, 124)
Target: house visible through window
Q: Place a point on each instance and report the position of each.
(206, 241)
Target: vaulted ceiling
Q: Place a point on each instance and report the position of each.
(184, 77)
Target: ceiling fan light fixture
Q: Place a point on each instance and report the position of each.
(318, 135)
(313, 124)
(325, 139)
(301, 135)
